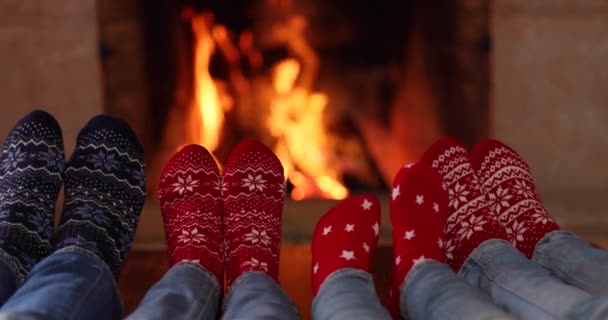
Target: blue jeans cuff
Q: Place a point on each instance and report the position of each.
(482, 254)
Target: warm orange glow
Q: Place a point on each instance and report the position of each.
(296, 120)
(207, 115)
(295, 116)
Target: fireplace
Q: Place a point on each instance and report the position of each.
(328, 86)
(344, 93)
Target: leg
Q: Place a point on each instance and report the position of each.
(187, 291)
(31, 165)
(69, 284)
(574, 261)
(254, 295)
(433, 291)
(343, 244)
(348, 293)
(253, 195)
(519, 285)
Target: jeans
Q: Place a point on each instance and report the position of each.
(574, 261)
(432, 290)
(68, 284)
(348, 294)
(188, 291)
(525, 288)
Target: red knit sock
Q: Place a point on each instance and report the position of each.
(345, 237)
(470, 220)
(253, 203)
(507, 182)
(419, 209)
(190, 202)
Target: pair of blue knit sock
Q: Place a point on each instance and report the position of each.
(104, 186)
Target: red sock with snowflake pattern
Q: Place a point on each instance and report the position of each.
(190, 201)
(345, 237)
(419, 207)
(507, 182)
(470, 220)
(254, 191)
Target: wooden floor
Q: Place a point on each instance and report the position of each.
(144, 268)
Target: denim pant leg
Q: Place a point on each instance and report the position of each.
(518, 284)
(69, 284)
(348, 294)
(187, 291)
(9, 277)
(254, 295)
(574, 261)
(432, 290)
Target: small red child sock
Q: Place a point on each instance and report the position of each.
(254, 191)
(419, 207)
(510, 191)
(190, 200)
(470, 221)
(345, 237)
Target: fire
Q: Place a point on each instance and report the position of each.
(208, 116)
(296, 120)
(295, 114)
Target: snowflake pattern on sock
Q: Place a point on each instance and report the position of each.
(104, 191)
(253, 196)
(191, 204)
(511, 193)
(31, 169)
(345, 237)
(470, 220)
(418, 216)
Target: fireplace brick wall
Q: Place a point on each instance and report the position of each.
(49, 60)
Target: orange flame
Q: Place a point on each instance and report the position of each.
(208, 117)
(296, 120)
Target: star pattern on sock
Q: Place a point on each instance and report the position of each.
(416, 225)
(104, 191)
(470, 219)
(349, 247)
(511, 193)
(31, 169)
(191, 206)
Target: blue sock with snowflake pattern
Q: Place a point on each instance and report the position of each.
(104, 191)
(31, 166)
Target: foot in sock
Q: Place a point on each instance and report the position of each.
(470, 220)
(419, 208)
(345, 237)
(31, 166)
(104, 191)
(253, 195)
(191, 205)
(507, 182)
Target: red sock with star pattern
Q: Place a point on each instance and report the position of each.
(254, 191)
(190, 202)
(345, 237)
(418, 214)
(470, 220)
(507, 182)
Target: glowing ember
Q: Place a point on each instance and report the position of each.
(207, 115)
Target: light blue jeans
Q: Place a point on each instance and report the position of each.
(431, 290)
(495, 282)
(68, 284)
(188, 291)
(530, 291)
